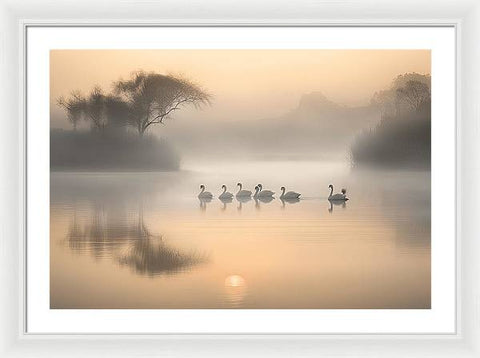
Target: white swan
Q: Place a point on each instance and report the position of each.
(289, 195)
(204, 194)
(225, 195)
(339, 197)
(263, 199)
(243, 193)
(260, 193)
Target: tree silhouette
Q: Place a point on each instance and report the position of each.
(141, 101)
(100, 110)
(407, 91)
(152, 97)
(75, 107)
(95, 108)
(416, 94)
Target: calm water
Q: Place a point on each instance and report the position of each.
(143, 240)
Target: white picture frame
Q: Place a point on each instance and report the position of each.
(463, 14)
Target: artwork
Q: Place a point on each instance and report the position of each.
(240, 179)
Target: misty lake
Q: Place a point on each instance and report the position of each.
(144, 240)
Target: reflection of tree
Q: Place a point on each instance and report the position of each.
(104, 232)
(404, 201)
(129, 243)
(154, 257)
(75, 235)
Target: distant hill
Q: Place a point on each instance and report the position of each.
(316, 103)
(316, 127)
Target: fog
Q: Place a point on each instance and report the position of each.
(246, 84)
(265, 104)
(144, 240)
(315, 129)
(130, 151)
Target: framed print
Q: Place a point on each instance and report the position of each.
(297, 183)
(136, 151)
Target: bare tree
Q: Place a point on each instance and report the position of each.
(152, 97)
(75, 107)
(98, 109)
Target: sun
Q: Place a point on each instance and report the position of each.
(234, 281)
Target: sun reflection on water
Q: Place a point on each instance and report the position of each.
(235, 291)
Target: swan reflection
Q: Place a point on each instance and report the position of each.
(242, 200)
(289, 201)
(203, 203)
(265, 200)
(341, 203)
(225, 201)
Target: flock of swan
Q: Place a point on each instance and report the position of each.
(263, 193)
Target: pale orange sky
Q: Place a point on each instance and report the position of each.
(246, 84)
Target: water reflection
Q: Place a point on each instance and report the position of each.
(242, 200)
(203, 203)
(265, 200)
(235, 291)
(154, 257)
(341, 203)
(225, 201)
(109, 235)
(116, 218)
(289, 201)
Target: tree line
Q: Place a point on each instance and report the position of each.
(408, 92)
(402, 138)
(140, 102)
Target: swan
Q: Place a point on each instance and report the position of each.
(204, 194)
(263, 198)
(244, 199)
(338, 196)
(225, 200)
(289, 195)
(243, 193)
(225, 195)
(260, 193)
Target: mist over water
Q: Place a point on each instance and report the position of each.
(135, 133)
(144, 240)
